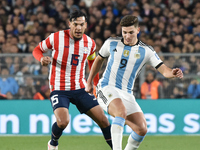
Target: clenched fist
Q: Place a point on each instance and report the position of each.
(45, 60)
(177, 72)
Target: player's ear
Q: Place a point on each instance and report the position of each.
(69, 23)
(138, 30)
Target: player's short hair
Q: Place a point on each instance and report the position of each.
(129, 20)
(75, 14)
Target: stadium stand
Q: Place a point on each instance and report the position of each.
(171, 27)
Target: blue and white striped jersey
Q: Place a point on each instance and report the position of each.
(125, 62)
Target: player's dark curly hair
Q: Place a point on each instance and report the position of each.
(129, 20)
(75, 14)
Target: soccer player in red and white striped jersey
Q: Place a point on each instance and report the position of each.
(70, 50)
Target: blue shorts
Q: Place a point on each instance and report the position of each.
(80, 98)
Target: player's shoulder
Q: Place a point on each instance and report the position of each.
(89, 39)
(61, 31)
(146, 46)
(117, 38)
(57, 33)
(113, 39)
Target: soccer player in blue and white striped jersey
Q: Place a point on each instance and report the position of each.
(126, 57)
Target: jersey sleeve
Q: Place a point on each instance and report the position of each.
(47, 44)
(42, 47)
(93, 49)
(154, 59)
(104, 51)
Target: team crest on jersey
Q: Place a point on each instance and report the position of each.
(126, 53)
(137, 55)
(86, 50)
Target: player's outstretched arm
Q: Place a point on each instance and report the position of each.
(170, 73)
(94, 70)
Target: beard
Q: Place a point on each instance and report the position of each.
(77, 39)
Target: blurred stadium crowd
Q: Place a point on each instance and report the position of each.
(170, 26)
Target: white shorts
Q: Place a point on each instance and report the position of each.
(108, 93)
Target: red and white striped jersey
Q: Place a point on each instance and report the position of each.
(67, 70)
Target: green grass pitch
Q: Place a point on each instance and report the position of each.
(98, 143)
